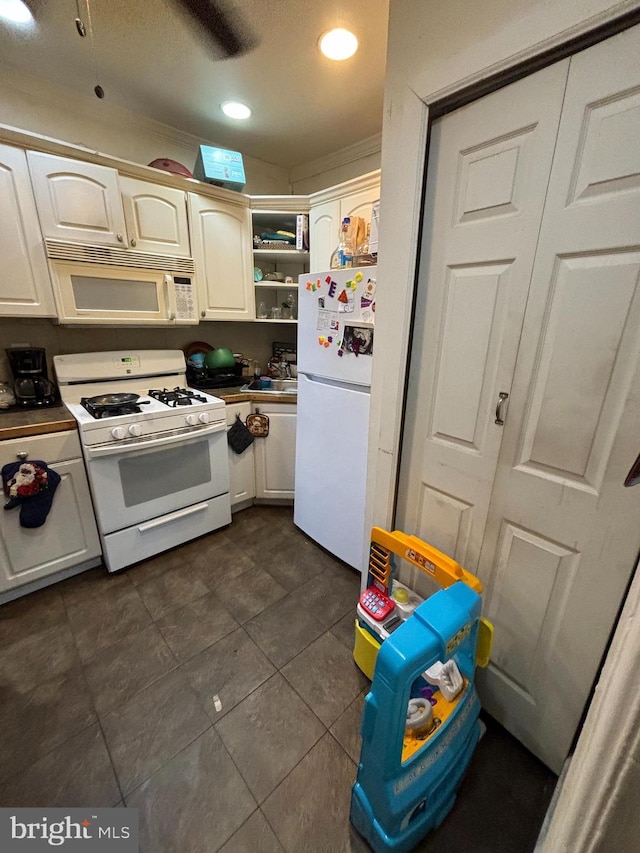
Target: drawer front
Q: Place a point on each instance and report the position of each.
(146, 539)
(50, 448)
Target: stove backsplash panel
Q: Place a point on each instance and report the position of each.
(253, 340)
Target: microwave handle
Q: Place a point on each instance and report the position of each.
(113, 449)
(170, 291)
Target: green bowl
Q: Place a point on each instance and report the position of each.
(219, 358)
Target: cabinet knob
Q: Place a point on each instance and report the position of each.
(119, 238)
(22, 455)
(203, 313)
(134, 242)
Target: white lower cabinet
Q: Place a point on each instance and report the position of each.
(242, 478)
(69, 535)
(275, 455)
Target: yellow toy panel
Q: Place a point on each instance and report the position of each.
(442, 710)
(428, 559)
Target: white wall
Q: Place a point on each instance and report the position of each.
(342, 165)
(39, 106)
(253, 340)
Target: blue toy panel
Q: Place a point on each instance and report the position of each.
(395, 802)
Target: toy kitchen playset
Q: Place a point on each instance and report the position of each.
(420, 724)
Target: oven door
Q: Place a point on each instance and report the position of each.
(147, 479)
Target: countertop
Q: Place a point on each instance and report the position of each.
(21, 423)
(235, 395)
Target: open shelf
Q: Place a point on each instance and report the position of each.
(277, 256)
(290, 262)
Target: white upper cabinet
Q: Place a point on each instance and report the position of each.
(359, 203)
(221, 243)
(324, 220)
(77, 201)
(328, 209)
(156, 217)
(25, 284)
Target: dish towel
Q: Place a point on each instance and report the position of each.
(31, 486)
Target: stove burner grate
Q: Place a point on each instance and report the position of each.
(177, 397)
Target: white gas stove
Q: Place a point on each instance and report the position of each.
(155, 450)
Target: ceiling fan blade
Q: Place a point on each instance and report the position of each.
(220, 24)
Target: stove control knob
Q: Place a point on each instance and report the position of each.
(118, 432)
(203, 417)
(135, 429)
(192, 420)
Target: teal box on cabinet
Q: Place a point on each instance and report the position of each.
(220, 167)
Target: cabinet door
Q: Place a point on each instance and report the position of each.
(275, 455)
(77, 201)
(477, 261)
(221, 240)
(69, 535)
(242, 478)
(562, 534)
(156, 217)
(324, 220)
(25, 284)
(359, 203)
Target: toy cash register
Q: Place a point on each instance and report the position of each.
(420, 721)
(386, 603)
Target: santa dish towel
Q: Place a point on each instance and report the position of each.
(31, 486)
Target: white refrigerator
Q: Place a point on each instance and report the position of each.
(335, 353)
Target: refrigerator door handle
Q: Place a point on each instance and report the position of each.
(335, 383)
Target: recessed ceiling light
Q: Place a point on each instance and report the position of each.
(338, 44)
(233, 109)
(15, 11)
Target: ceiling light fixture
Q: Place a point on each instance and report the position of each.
(338, 44)
(15, 11)
(234, 109)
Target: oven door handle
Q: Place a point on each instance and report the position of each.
(112, 450)
(174, 516)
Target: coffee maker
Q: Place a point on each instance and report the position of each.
(31, 385)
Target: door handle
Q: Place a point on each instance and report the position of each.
(502, 398)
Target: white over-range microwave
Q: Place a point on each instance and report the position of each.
(98, 285)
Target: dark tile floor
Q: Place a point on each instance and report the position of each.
(213, 689)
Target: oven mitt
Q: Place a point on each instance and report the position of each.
(31, 486)
(238, 436)
(258, 425)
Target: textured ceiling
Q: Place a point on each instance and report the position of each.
(148, 58)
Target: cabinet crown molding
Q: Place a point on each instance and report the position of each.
(364, 182)
(47, 145)
(280, 203)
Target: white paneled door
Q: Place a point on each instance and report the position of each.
(561, 535)
(488, 172)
